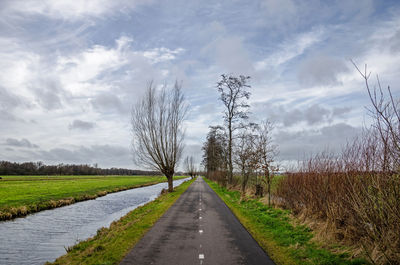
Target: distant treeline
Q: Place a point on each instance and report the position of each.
(39, 168)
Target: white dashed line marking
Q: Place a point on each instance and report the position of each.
(200, 209)
(200, 217)
(200, 231)
(201, 256)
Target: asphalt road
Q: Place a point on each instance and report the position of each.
(198, 229)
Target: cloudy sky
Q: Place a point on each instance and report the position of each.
(71, 70)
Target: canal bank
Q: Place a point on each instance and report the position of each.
(46, 235)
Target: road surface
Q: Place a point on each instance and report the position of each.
(198, 229)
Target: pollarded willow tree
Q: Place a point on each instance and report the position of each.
(157, 121)
(234, 96)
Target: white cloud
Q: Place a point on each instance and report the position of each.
(230, 55)
(88, 61)
(291, 48)
(97, 69)
(70, 10)
(162, 54)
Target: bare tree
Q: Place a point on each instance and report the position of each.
(215, 154)
(267, 151)
(245, 155)
(234, 94)
(214, 151)
(190, 166)
(157, 129)
(386, 114)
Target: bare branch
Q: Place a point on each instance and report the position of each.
(157, 129)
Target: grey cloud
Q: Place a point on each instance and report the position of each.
(232, 55)
(48, 100)
(48, 93)
(340, 111)
(315, 114)
(289, 118)
(8, 100)
(292, 14)
(297, 145)
(195, 151)
(321, 70)
(104, 155)
(107, 102)
(341, 131)
(312, 115)
(228, 51)
(280, 12)
(8, 103)
(60, 155)
(7, 116)
(20, 143)
(81, 125)
(394, 42)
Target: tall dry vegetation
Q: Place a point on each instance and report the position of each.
(357, 193)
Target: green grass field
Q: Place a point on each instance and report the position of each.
(21, 195)
(110, 245)
(273, 229)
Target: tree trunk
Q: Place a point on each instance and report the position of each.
(230, 169)
(259, 190)
(244, 182)
(170, 183)
(269, 191)
(243, 187)
(268, 177)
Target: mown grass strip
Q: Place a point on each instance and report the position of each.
(22, 195)
(110, 245)
(272, 229)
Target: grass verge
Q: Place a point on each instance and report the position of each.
(110, 245)
(273, 229)
(22, 195)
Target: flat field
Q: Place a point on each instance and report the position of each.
(21, 195)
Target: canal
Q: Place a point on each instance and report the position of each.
(43, 236)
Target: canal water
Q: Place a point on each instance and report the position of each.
(43, 236)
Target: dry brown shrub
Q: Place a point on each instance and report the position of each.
(358, 206)
(219, 176)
